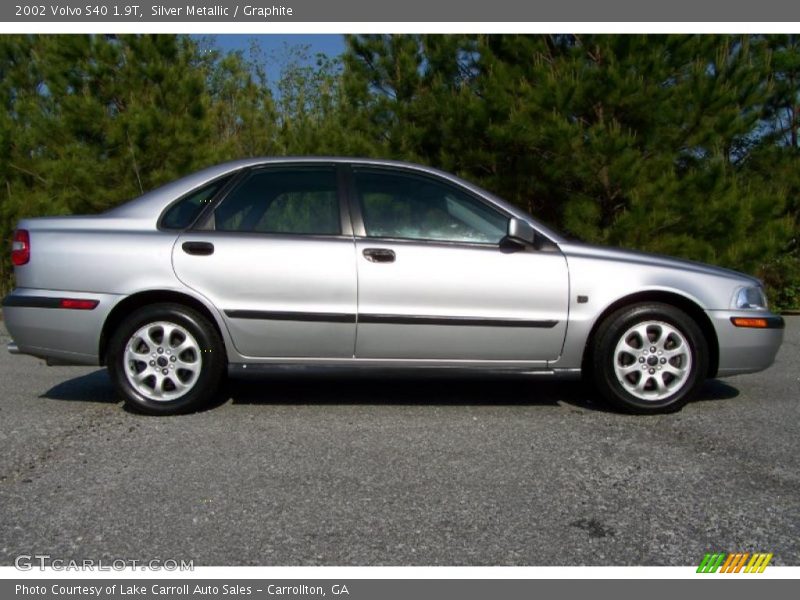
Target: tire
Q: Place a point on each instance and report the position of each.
(166, 359)
(657, 376)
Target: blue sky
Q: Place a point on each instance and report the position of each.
(329, 44)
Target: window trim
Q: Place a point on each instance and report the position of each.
(214, 233)
(360, 230)
(203, 223)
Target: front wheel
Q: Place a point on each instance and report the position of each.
(649, 358)
(166, 359)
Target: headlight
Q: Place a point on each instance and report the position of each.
(752, 298)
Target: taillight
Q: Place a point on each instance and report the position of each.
(21, 247)
(78, 304)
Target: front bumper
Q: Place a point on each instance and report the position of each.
(746, 349)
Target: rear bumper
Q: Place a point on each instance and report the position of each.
(40, 327)
(746, 349)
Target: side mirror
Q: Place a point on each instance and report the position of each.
(521, 231)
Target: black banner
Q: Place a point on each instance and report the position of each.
(473, 11)
(372, 589)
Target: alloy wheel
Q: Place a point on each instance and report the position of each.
(162, 361)
(652, 360)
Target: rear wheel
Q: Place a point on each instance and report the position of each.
(166, 359)
(649, 358)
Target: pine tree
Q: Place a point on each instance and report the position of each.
(632, 140)
(686, 145)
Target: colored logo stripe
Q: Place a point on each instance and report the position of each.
(758, 563)
(711, 562)
(734, 562)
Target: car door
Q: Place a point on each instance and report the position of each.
(277, 257)
(438, 280)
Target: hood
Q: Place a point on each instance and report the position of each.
(656, 260)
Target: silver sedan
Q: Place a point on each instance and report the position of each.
(314, 263)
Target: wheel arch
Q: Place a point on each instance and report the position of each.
(690, 307)
(140, 299)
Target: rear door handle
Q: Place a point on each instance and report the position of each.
(379, 255)
(198, 248)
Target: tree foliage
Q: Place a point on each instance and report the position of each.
(686, 145)
(674, 144)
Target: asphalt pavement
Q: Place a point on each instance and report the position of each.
(344, 471)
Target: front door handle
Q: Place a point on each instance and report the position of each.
(198, 248)
(379, 255)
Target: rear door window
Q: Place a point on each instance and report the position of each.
(291, 200)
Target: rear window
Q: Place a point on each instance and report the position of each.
(184, 212)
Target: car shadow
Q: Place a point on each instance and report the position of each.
(92, 387)
(412, 390)
(409, 390)
(716, 389)
(497, 390)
